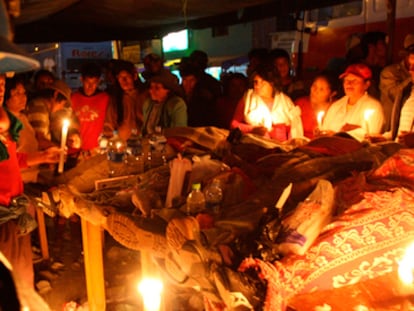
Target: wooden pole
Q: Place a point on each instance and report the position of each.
(94, 271)
(44, 248)
(391, 11)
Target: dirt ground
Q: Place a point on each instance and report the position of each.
(61, 280)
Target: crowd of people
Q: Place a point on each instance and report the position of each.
(359, 95)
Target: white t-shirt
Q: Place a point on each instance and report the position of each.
(338, 115)
(281, 111)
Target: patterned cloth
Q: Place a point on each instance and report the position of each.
(399, 168)
(365, 242)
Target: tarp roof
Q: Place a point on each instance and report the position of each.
(99, 20)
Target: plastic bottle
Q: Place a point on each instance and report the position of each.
(214, 196)
(116, 155)
(196, 201)
(134, 158)
(157, 153)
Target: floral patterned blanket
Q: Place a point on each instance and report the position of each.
(365, 242)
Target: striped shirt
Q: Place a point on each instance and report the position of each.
(39, 117)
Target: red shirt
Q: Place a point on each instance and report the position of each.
(90, 111)
(308, 116)
(11, 184)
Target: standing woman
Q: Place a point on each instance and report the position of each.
(165, 107)
(322, 94)
(266, 111)
(14, 238)
(15, 99)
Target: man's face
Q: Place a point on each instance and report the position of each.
(43, 82)
(90, 84)
(282, 66)
(126, 80)
(189, 83)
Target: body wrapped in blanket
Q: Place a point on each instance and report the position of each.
(372, 224)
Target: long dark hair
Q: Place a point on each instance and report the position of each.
(123, 65)
(11, 84)
(268, 73)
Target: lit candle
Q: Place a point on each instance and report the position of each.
(406, 267)
(151, 289)
(319, 118)
(406, 275)
(65, 128)
(367, 116)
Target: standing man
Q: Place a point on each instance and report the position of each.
(89, 105)
(124, 111)
(395, 86)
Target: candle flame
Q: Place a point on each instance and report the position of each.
(260, 116)
(319, 117)
(151, 289)
(406, 266)
(65, 123)
(368, 113)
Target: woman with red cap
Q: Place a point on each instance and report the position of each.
(357, 113)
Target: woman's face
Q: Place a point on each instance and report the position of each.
(262, 87)
(18, 99)
(354, 86)
(158, 92)
(320, 91)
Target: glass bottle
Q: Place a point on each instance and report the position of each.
(196, 201)
(134, 158)
(157, 150)
(214, 196)
(116, 151)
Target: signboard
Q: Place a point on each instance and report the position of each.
(132, 53)
(75, 54)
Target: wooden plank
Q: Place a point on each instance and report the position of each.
(44, 247)
(94, 271)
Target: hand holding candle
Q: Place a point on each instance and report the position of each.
(65, 128)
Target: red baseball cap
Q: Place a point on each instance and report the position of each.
(360, 70)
